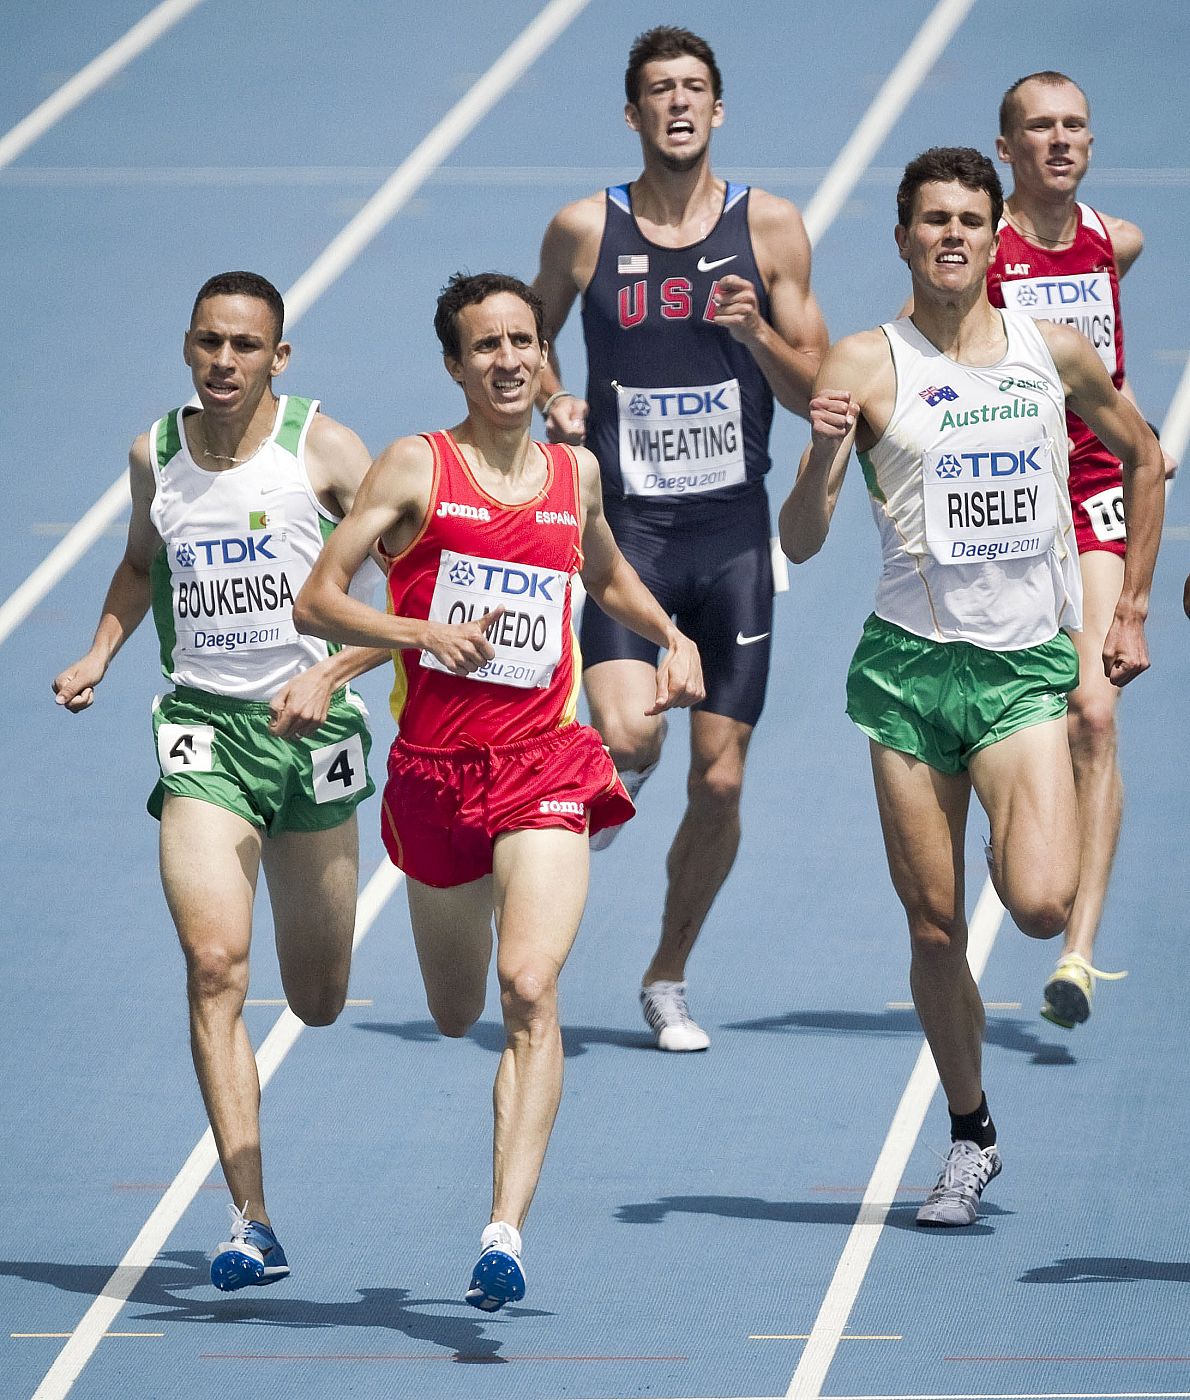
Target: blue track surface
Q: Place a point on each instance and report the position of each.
(690, 1205)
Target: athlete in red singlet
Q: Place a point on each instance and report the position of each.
(493, 786)
(1060, 260)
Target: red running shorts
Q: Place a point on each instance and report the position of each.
(444, 808)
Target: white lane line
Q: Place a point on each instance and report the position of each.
(882, 115)
(91, 78)
(198, 1166)
(1176, 429)
(458, 123)
(64, 555)
(861, 1243)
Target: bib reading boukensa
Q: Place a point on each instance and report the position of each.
(527, 636)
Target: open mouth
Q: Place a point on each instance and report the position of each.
(680, 127)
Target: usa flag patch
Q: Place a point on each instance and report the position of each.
(935, 394)
(632, 264)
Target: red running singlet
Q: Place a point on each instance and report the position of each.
(1078, 286)
(474, 553)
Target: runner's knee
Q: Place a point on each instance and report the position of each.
(1092, 721)
(529, 997)
(214, 970)
(1044, 916)
(318, 1006)
(633, 741)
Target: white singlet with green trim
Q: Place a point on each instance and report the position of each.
(968, 485)
(237, 546)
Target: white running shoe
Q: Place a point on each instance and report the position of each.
(633, 779)
(955, 1197)
(665, 1009)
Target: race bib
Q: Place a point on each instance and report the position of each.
(527, 636)
(677, 442)
(185, 748)
(1105, 511)
(338, 770)
(1081, 300)
(998, 504)
(233, 593)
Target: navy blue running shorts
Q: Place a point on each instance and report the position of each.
(714, 576)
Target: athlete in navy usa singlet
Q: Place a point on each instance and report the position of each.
(697, 313)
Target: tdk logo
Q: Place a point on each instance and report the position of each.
(935, 394)
(514, 583)
(982, 465)
(234, 550)
(1063, 291)
(679, 403)
(457, 508)
(462, 575)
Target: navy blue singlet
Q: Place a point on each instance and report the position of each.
(679, 411)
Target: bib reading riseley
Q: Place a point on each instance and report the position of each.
(968, 485)
(527, 636)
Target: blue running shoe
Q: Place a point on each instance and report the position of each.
(498, 1276)
(253, 1255)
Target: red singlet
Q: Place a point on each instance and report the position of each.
(472, 554)
(499, 750)
(1080, 287)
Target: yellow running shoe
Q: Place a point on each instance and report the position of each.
(1068, 993)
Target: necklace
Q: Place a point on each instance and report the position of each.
(1032, 233)
(234, 461)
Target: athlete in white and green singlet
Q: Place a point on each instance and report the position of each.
(961, 676)
(261, 746)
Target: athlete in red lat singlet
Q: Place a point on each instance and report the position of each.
(1060, 260)
(493, 785)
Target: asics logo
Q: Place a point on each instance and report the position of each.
(710, 264)
(742, 641)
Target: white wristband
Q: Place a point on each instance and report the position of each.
(553, 399)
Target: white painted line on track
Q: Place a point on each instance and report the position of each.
(91, 78)
(1176, 429)
(57, 563)
(902, 1136)
(880, 118)
(458, 123)
(198, 1166)
(408, 176)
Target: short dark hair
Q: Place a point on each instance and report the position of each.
(1010, 103)
(668, 41)
(962, 165)
(469, 289)
(244, 284)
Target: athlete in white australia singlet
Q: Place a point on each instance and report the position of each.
(960, 678)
